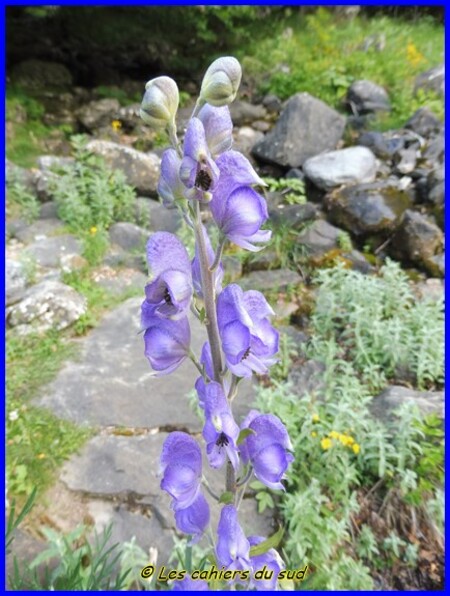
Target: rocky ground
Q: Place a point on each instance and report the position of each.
(385, 190)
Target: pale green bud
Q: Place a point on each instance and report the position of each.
(221, 82)
(160, 103)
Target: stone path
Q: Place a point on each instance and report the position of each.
(114, 478)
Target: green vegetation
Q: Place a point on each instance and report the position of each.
(21, 202)
(347, 463)
(323, 55)
(292, 189)
(38, 442)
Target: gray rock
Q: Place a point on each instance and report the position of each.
(48, 252)
(245, 139)
(263, 260)
(436, 186)
(383, 406)
(365, 96)
(128, 236)
(24, 548)
(383, 146)
(319, 238)
(48, 210)
(431, 289)
(431, 80)
(112, 382)
(16, 174)
(121, 281)
(272, 103)
(243, 112)
(296, 174)
(98, 113)
(261, 125)
(436, 265)
(129, 116)
(307, 378)
(47, 305)
(368, 208)
(406, 161)
(50, 162)
(158, 218)
(294, 216)
(15, 280)
(38, 230)
(276, 279)
(306, 127)
(434, 151)
(40, 75)
(117, 257)
(44, 183)
(424, 122)
(417, 240)
(140, 169)
(347, 166)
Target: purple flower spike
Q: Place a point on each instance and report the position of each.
(218, 128)
(248, 339)
(196, 274)
(170, 187)
(220, 431)
(166, 342)
(271, 559)
(181, 464)
(190, 585)
(194, 519)
(238, 210)
(267, 448)
(233, 548)
(198, 170)
(170, 292)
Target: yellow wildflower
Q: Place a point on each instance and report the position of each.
(355, 448)
(326, 443)
(315, 418)
(93, 230)
(413, 55)
(314, 434)
(334, 434)
(41, 456)
(350, 440)
(116, 125)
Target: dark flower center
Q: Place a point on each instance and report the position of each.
(246, 354)
(222, 440)
(167, 297)
(203, 180)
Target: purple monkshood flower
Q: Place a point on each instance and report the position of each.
(170, 188)
(248, 339)
(220, 431)
(194, 519)
(267, 448)
(190, 585)
(181, 465)
(218, 128)
(196, 271)
(166, 342)
(198, 170)
(237, 209)
(200, 385)
(273, 562)
(170, 292)
(233, 548)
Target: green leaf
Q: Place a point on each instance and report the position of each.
(226, 497)
(202, 315)
(245, 432)
(272, 542)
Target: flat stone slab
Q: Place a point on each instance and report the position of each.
(48, 252)
(274, 279)
(111, 384)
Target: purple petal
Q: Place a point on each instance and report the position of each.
(170, 187)
(268, 429)
(234, 165)
(165, 251)
(218, 128)
(256, 305)
(270, 464)
(260, 238)
(188, 171)
(232, 545)
(195, 145)
(166, 343)
(235, 341)
(182, 483)
(171, 292)
(190, 585)
(230, 307)
(206, 359)
(194, 519)
(271, 559)
(183, 449)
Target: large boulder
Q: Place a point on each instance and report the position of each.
(365, 96)
(424, 122)
(98, 113)
(368, 208)
(346, 166)
(417, 240)
(51, 251)
(320, 238)
(306, 127)
(15, 280)
(243, 112)
(384, 405)
(128, 236)
(47, 305)
(140, 169)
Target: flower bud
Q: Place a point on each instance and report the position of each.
(160, 103)
(221, 82)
